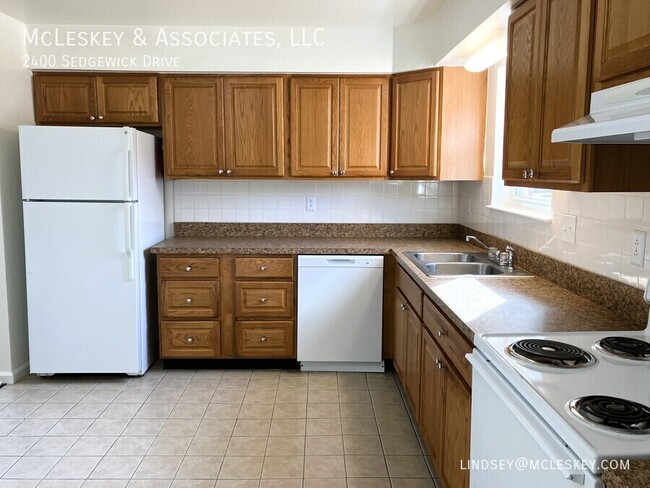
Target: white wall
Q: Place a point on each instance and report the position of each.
(357, 49)
(336, 201)
(15, 109)
(424, 44)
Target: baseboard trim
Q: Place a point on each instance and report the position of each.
(11, 377)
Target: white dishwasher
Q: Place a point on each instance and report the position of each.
(340, 313)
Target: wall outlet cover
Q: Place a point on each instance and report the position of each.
(638, 248)
(568, 228)
(310, 204)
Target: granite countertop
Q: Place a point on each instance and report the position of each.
(498, 304)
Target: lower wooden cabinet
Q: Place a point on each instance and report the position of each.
(265, 339)
(429, 357)
(226, 306)
(189, 339)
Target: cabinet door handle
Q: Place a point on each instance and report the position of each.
(263, 339)
(189, 300)
(263, 268)
(439, 364)
(100, 117)
(220, 171)
(188, 268)
(334, 172)
(92, 117)
(442, 333)
(228, 171)
(391, 172)
(525, 174)
(263, 299)
(342, 172)
(402, 306)
(531, 173)
(190, 340)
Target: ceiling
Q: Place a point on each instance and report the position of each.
(267, 13)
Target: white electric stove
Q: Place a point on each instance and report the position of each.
(579, 399)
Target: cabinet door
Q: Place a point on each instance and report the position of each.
(432, 399)
(566, 27)
(456, 437)
(127, 99)
(364, 127)
(399, 353)
(254, 121)
(192, 127)
(314, 127)
(415, 125)
(413, 358)
(521, 129)
(622, 38)
(64, 99)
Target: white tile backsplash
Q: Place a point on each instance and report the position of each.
(605, 222)
(336, 201)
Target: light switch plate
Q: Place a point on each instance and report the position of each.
(568, 228)
(638, 247)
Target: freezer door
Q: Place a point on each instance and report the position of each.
(77, 163)
(82, 287)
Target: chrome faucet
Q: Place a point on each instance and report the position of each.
(505, 258)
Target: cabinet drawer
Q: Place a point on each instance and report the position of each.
(451, 341)
(265, 339)
(264, 299)
(188, 267)
(410, 290)
(190, 299)
(264, 267)
(189, 339)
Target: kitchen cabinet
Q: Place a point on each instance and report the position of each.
(339, 127)
(226, 306)
(105, 99)
(548, 85)
(254, 116)
(438, 124)
(622, 42)
(193, 134)
(429, 356)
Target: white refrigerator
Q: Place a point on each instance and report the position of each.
(93, 205)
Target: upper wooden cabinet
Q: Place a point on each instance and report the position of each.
(339, 126)
(109, 99)
(548, 86)
(193, 135)
(622, 41)
(255, 125)
(438, 128)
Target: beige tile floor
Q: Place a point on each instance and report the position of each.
(210, 428)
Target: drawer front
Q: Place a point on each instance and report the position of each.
(264, 267)
(264, 299)
(265, 339)
(190, 299)
(189, 339)
(410, 289)
(450, 340)
(188, 267)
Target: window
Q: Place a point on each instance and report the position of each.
(529, 202)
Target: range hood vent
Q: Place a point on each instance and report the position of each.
(618, 115)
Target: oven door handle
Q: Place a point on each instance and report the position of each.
(552, 445)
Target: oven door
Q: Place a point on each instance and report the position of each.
(511, 445)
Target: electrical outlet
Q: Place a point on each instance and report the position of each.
(469, 206)
(310, 204)
(638, 248)
(568, 228)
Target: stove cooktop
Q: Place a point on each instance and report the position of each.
(550, 353)
(557, 393)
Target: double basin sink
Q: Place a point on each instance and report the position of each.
(459, 263)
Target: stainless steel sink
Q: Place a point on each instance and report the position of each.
(435, 269)
(460, 263)
(444, 257)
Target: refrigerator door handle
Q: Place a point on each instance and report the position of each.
(128, 167)
(129, 235)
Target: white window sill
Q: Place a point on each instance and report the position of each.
(523, 212)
